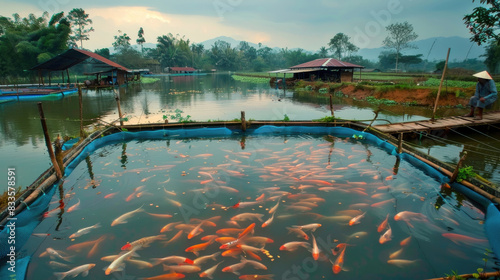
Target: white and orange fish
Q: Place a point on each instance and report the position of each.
(209, 272)
(387, 236)
(123, 218)
(356, 220)
(315, 250)
(82, 269)
(83, 231)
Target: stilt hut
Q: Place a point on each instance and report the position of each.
(325, 69)
(72, 57)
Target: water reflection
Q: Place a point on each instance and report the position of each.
(211, 97)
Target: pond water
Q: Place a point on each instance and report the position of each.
(342, 188)
(211, 97)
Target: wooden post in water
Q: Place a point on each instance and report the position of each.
(243, 121)
(48, 143)
(400, 143)
(81, 109)
(117, 98)
(459, 164)
(440, 85)
(331, 104)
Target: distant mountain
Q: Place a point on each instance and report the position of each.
(234, 43)
(434, 49)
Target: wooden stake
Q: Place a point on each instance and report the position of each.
(243, 121)
(117, 98)
(81, 110)
(48, 143)
(331, 104)
(440, 85)
(459, 165)
(400, 143)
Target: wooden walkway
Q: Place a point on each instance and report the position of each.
(489, 118)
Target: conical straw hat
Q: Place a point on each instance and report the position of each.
(483, 75)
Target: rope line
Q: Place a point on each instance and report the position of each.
(484, 134)
(477, 141)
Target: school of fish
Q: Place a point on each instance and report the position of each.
(242, 213)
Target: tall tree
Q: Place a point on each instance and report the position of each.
(122, 41)
(483, 22)
(141, 40)
(340, 45)
(492, 56)
(323, 52)
(80, 20)
(400, 36)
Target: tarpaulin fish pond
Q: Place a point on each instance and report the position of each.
(270, 203)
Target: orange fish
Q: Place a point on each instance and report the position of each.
(256, 277)
(198, 247)
(356, 220)
(315, 249)
(460, 238)
(111, 195)
(339, 262)
(169, 276)
(247, 231)
(233, 252)
(383, 225)
(74, 207)
(405, 241)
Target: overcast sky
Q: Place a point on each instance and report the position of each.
(306, 24)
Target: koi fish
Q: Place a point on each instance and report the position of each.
(198, 247)
(183, 268)
(74, 207)
(118, 264)
(247, 231)
(83, 231)
(356, 220)
(315, 249)
(387, 236)
(274, 208)
(268, 222)
(256, 277)
(235, 267)
(168, 276)
(384, 224)
(83, 269)
(459, 238)
(143, 242)
(172, 259)
(209, 272)
(294, 245)
(402, 263)
(123, 218)
(111, 195)
(203, 259)
(311, 227)
(396, 254)
(405, 241)
(407, 216)
(53, 254)
(300, 233)
(247, 217)
(339, 262)
(169, 227)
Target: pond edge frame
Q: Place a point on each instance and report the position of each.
(47, 179)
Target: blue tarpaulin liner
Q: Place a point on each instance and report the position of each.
(25, 223)
(29, 219)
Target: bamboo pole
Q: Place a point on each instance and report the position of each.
(117, 98)
(400, 143)
(243, 121)
(459, 165)
(440, 85)
(48, 143)
(80, 101)
(331, 104)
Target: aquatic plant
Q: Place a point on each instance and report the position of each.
(384, 101)
(326, 119)
(323, 90)
(286, 118)
(247, 79)
(148, 80)
(177, 115)
(465, 173)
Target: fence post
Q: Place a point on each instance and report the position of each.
(48, 143)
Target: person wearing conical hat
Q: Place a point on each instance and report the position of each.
(486, 93)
